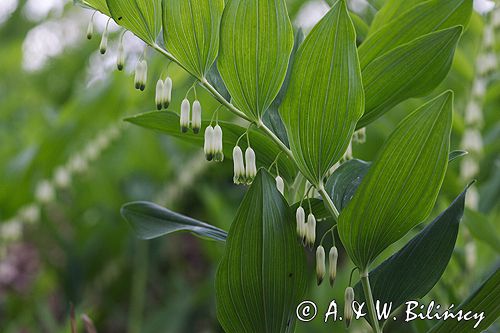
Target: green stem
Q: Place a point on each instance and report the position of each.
(328, 201)
(326, 198)
(138, 292)
(365, 281)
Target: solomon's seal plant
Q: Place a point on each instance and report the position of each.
(299, 104)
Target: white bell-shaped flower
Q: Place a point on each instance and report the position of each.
(196, 117)
(349, 299)
(103, 47)
(472, 141)
(311, 230)
(90, 30)
(159, 98)
(144, 74)
(138, 76)
(320, 264)
(280, 184)
(120, 58)
(45, 192)
(209, 145)
(218, 144)
(250, 167)
(239, 166)
(333, 256)
(185, 110)
(473, 114)
(167, 92)
(300, 217)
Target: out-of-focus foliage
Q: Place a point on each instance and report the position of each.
(57, 110)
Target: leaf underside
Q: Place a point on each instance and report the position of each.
(149, 221)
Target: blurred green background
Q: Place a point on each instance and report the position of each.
(68, 162)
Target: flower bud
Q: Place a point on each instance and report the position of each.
(251, 168)
(218, 146)
(196, 117)
(167, 92)
(120, 59)
(209, 138)
(159, 95)
(320, 264)
(280, 184)
(332, 264)
(311, 230)
(90, 30)
(300, 217)
(185, 109)
(104, 42)
(349, 298)
(45, 192)
(239, 166)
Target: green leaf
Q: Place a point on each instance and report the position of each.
(256, 42)
(272, 118)
(413, 271)
(99, 5)
(483, 300)
(410, 70)
(325, 98)
(142, 17)
(428, 17)
(391, 10)
(361, 28)
(401, 187)
(149, 221)
(344, 182)
(481, 228)
(191, 32)
(266, 150)
(262, 276)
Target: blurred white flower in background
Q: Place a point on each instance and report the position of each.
(483, 6)
(7, 7)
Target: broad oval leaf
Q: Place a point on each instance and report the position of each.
(483, 300)
(256, 42)
(325, 98)
(413, 271)
(262, 275)
(402, 185)
(149, 220)
(428, 17)
(191, 32)
(410, 70)
(142, 17)
(390, 11)
(266, 150)
(272, 118)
